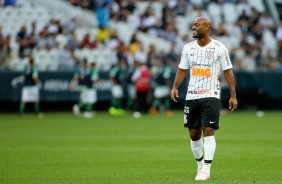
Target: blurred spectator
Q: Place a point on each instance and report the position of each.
(5, 50)
(42, 39)
(152, 55)
(102, 12)
(141, 55)
(266, 21)
(74, 2)
(180, 44)
(253, 20)
(103, 34)
(134, 44)
(86, 42)
(268, 61)
(141, 78)
(170, 33)
(9, 2)
(85, 4)
(181, 7)
(72, 42)
(258, 33)
(122, 53)
(234, 30)
(67, 60)
(243, 21)
(113, 42)
(23, 41)
(32, 29)
(129, 6)
(221, 30)
(71, 25)
(53, 27)
(172, 57)
(279, 40)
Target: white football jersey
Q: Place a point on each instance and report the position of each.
(205, 64)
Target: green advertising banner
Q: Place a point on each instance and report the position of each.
(54, 86)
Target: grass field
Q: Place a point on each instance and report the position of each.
(61, 148)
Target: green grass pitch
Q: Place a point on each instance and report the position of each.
(61, 148)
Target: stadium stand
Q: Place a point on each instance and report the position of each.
(249, 32)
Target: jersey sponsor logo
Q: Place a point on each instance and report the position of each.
(201, 72)
(194, 63)
(200, 92)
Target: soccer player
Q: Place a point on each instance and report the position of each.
(30, 91)
(161, 82)
(118, 76)
(86, 77)
(204, 57)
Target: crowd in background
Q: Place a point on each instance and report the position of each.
(250, 55)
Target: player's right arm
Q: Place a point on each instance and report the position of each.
(179, 77)
(180, 74)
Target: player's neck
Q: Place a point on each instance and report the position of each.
(204, 41)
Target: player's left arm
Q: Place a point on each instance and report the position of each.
(228, 74)
(231, 84)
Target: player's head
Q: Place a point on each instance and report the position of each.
(201, 27)
(93, 65)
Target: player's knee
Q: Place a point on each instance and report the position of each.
(208, 131)
(195, 134)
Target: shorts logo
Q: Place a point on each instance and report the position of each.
(212, 122)
(201, 72)
(186, 109)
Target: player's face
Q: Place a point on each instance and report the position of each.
(199, 29)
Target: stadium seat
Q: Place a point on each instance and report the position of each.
(257, 4)
(62, 40)
(141, 7)
(52, 60)
(229, 12)
(41, 59)
(242, 6)
(214, 10)
(269, 40)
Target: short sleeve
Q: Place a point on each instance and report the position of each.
(184, 63)
(224, 59)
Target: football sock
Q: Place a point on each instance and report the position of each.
(22, 107)
(156, 102)
(197, 149)
(80, 105)
(89, 107)
(116, 103)
(209, 150)
(167, 103)
(36, 107)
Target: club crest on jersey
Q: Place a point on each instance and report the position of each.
(209, 53)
